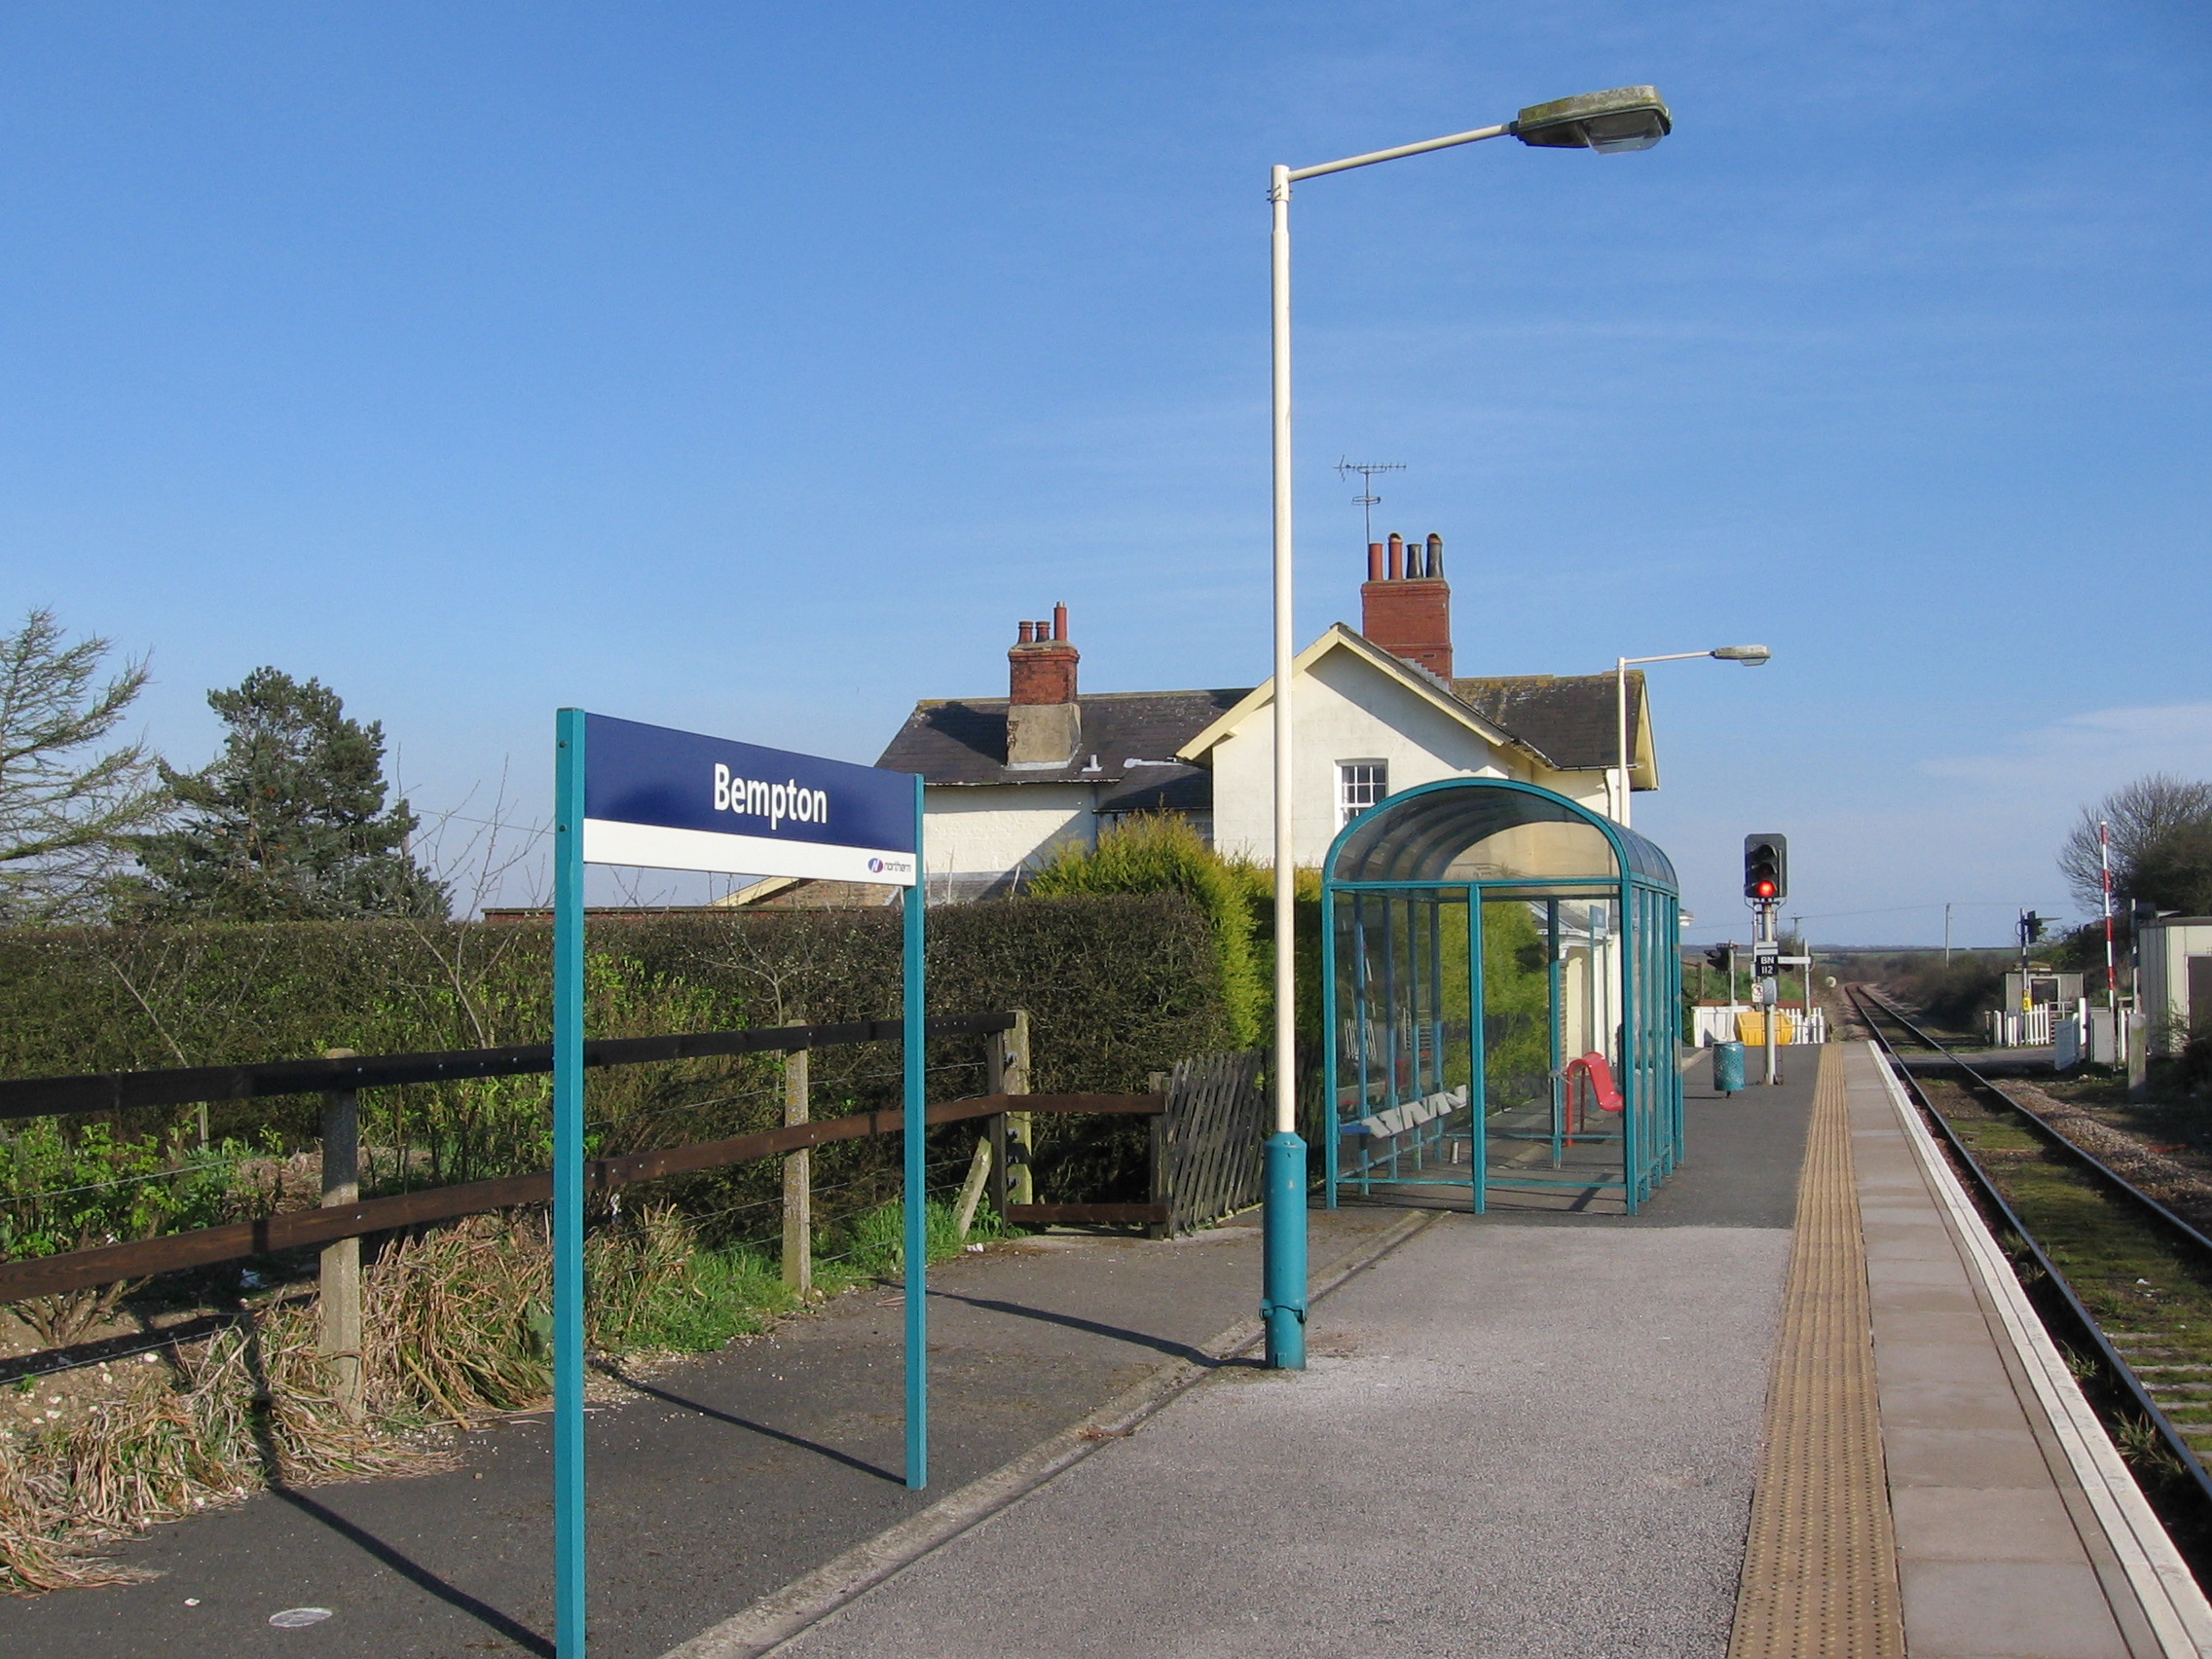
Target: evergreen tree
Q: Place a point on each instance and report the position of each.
(67, 816)
(289, 823)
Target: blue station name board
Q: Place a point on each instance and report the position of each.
(678, 800)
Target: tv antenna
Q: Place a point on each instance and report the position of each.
(1367, 501)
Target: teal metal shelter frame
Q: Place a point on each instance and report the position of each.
(1485, 940)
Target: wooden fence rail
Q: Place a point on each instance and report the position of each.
(51, 1275)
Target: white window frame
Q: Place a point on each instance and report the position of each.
(1360, 785)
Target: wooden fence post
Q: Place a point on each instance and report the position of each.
(1007, 1072)
(1157, 1184)
(979, 1167)
(798, 1181)
(340, 1287)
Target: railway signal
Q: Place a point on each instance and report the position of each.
(1766, 883)
(1766, 869)
(1718, 957)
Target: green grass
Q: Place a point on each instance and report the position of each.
(720, 1295)
(2124, 1272)
(717, 1295)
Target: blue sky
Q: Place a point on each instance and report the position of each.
(753, 369)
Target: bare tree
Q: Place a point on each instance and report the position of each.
(2158, 822)
(67, 816)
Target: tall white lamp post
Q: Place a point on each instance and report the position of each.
(1750, 656)
(1628, 118)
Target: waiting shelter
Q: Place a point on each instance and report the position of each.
(1502, 996)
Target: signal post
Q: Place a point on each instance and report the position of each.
(1766, 883)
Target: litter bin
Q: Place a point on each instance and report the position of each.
(1728, 1068)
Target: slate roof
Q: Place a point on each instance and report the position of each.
(1566, 718)
(962, 740)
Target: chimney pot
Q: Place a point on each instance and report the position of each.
(1406, 605)
(1059, 621)
(1028, 632)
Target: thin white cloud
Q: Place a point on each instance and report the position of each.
(2086, 754)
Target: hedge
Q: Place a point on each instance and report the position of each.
(1116, 986)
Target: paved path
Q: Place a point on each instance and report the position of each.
(1514, 1441)
(2007, 1544)
(1523, 1434)
(722, 1481)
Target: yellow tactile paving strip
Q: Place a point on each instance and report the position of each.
(1820, 1573)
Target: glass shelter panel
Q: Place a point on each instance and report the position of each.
(1552, 1000)
(1402, 1061)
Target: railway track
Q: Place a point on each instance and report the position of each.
(2122, 1282)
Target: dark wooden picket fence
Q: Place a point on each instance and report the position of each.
(1207, 1164)
(1208, 1145)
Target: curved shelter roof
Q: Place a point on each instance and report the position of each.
(1491, 829)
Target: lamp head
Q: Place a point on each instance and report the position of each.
(1627, 118)
(1750, 656)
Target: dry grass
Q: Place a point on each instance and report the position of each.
(253, 1407)
(457, 1329)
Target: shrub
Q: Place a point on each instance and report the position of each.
(1162, 852)
(1956, 994)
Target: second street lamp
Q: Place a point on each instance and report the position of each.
(1627, 118)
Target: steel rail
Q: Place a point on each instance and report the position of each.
(2114, 1363)
(2050, 1133)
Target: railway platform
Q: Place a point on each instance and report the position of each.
(1796, 1405)
(1789, 1409)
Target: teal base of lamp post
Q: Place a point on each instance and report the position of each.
(1282, 1307)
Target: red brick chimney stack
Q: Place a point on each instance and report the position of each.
(1044, 723)
(1405, 605)
(1043, 662)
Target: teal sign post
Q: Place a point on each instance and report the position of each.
(626, 794)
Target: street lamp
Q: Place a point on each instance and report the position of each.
(1750, 656)
(1627, 118)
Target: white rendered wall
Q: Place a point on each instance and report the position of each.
(1345, 710)
(1348, 711)
(990, 829)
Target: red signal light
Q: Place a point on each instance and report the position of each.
(1766, 890)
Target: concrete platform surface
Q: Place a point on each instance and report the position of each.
(1527, 1433)
(2002, 1553)
(1513, 1441)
